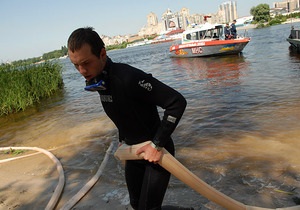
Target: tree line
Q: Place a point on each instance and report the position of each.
(46, 56)
(261, 16)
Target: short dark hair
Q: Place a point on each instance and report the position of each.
(86, 35)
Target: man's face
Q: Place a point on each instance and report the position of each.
(88, 65)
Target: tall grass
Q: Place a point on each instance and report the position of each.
(22, 86)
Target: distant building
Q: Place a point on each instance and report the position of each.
(288, 5)
(228, 11)
(152, 19)
(152, 27)
(170, 21)
(285, 7)
(278, 11)
(114, 40)
(181, 20)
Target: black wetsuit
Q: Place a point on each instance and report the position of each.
(130, 100)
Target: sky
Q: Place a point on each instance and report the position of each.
(30, 28)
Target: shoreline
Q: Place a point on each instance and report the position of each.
(251, 26)
(33, 179)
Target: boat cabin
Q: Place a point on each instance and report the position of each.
(295, 33)
(204, 32)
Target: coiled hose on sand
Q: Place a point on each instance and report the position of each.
(61, 180)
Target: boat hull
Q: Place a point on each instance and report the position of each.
(294, 42)
(209, 48)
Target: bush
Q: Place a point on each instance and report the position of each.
(22, 86)
(260, 25)
(275, 21)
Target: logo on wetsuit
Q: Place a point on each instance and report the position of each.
(147, 85)
(106, 98)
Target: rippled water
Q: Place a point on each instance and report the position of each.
(240, 131)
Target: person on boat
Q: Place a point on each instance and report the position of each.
(130, 97)
(233, 29)
(291, 34)
(227, 31)
(215, 36)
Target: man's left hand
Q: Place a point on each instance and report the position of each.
(151, 154)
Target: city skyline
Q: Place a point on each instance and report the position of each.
(31, 28)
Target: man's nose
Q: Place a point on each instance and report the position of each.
(81, 69)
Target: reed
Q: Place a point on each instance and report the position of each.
(23, 86)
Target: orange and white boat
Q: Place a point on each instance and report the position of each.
(207, 40)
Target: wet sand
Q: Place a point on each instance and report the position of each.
(29, 183)
(270, 177)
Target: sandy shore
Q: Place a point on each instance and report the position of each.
(29, 183)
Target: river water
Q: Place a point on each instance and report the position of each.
(240, 131)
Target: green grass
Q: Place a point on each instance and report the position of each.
(13, 152)
(23, 86)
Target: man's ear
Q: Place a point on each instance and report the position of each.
(102, 53)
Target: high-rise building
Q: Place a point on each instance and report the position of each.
(170, 20)
(152, 19)
(181, 20)
(228, 11)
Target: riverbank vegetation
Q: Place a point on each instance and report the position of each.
(24, 85)
(25, 82)
(262, 17)
(63, 52)
(46, 56)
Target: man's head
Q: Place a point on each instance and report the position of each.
(87, 35)
(87, 52)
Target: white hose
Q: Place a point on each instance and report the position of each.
(58, 191)
(90, 183)
(61, 181)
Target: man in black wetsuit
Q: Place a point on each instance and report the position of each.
(130, 98)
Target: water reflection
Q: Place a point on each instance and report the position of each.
(223, 70)
(217, 103)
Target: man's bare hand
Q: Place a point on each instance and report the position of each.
(149, 153)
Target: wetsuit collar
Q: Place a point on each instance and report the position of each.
(99, 82)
